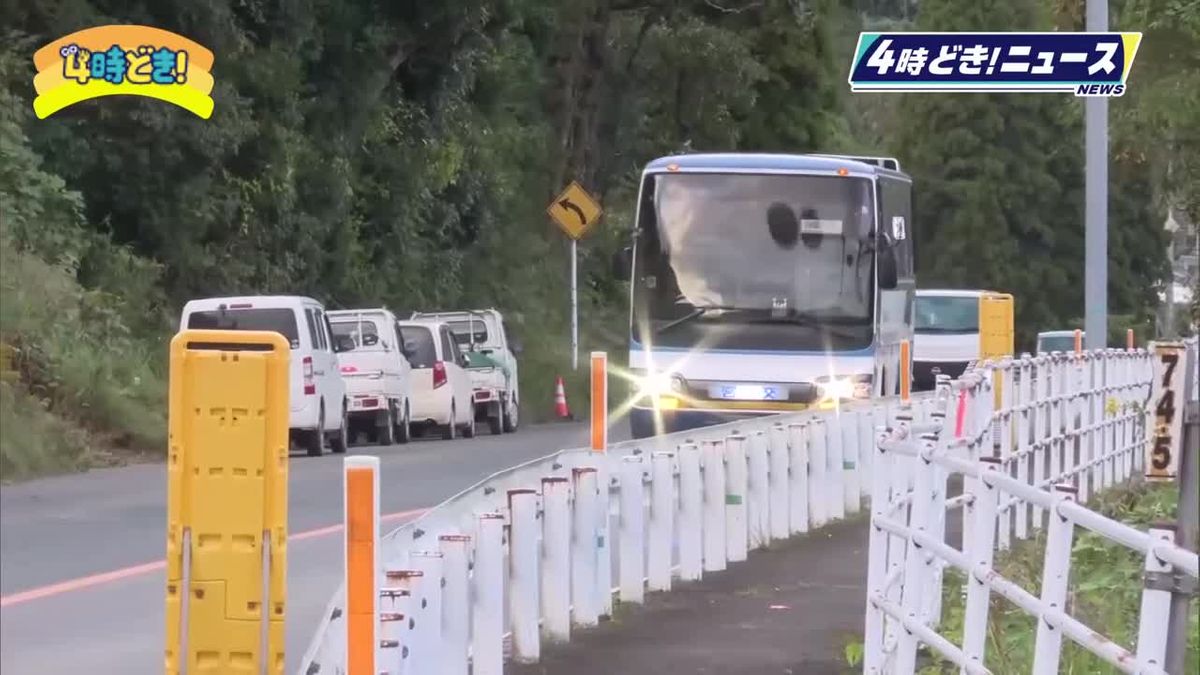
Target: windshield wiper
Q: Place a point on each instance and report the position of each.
(693, 315)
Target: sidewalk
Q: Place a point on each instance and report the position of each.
(788, 610)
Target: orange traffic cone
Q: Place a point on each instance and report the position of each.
(560, 400)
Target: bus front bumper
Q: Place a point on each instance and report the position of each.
(642, 421)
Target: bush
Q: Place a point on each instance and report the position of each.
(1105, 590)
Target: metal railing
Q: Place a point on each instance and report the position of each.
(526, 555)
(1065, 428)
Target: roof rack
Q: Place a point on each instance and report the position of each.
(884, 162)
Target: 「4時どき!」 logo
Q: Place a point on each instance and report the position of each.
(1086, 64)
(123, 60)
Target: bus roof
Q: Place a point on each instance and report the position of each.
(748, 161)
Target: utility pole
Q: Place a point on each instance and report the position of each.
(1188, 517)
(1096, 201)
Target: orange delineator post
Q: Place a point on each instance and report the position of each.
(362, 564)
(905, 371)
(599, 401)
(1129, 341)
(1078, 341)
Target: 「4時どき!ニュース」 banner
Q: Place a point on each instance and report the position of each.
(1086, 64)
(123, 60)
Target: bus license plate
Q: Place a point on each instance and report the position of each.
(749, 392)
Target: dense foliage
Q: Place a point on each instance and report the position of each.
(375, 152)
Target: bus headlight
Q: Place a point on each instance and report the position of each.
(660, 386)
(844, 388)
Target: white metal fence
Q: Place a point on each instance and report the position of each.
(526, 555)
(1064, 428)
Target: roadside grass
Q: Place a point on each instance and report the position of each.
(77, 383)
(1105, 592)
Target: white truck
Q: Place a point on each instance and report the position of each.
(492, 352)
(376, 372)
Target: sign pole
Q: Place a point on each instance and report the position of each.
(574, 304)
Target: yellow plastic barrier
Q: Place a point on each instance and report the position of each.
(227, 477)
(996, 338)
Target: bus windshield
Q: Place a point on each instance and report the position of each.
(750, 261)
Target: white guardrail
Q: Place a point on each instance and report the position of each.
(1069, 428)
(525, 555)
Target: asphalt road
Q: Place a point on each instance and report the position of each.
(81, 577)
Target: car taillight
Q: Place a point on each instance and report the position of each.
(349, 369)
(439, 374)
(310, 387)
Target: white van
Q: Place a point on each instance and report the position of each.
(441, 387)
(953, 328)
(317, 394)
(1058, 341)
(376, 372)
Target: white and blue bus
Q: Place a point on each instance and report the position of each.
(764, 283)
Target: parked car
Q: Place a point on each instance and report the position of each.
(492, 356)
(377, 374)
(441, 388)
(317, 394)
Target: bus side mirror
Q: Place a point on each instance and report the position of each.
(888, 277)
(622, 263)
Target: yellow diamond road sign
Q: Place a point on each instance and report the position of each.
(575, 211)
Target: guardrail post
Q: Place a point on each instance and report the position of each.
(777, 481)
(632, 550)
(736, 528)
(1056, 571)
(487, 619)
(1025, 400)
(406, 585)
(819, 490)
(851, 478)
(898, 483)
(979, 555)
(758, 504)
(1040, 425)
(1082, 411)
(915, 585)
(1005, 419)
(662, 521)
(603, 550)
(1155, 614)
(866, 436)
(556, 558)
(585, 608)
(691, 513)
(877, 554)
(713, 457)
(456, 603)
(523, 575)
(1093, 440)
(835, 467)
(428, 610)
(393, 629)
(798, 486)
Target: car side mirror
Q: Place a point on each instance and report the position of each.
(622, 263)
(409, 348)
(888, 276)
